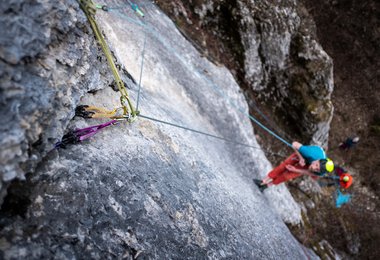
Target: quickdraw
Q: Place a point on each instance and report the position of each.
(134, 7)
(129, 112)
(79, 135)
(125, 112)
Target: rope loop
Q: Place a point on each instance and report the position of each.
(89, 9)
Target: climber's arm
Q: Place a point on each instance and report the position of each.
(291, 168)
(296, 146)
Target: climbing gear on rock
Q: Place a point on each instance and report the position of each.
(125, 112)
(79, 135)
(86, 111)
(103, 7)
(89, 9)
(129, 113)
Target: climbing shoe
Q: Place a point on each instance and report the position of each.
(263, 187)
(260, 185)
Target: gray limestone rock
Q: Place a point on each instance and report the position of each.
(41, 79)
(274, 43)
(138, 190)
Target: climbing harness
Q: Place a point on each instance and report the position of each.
(129, 113)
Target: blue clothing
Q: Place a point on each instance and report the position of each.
(312, 153)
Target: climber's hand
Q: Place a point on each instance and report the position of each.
(302, 162)
(291, 168)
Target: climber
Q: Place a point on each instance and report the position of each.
(345, 179)
(340, 177)
(349, 143)
(341, 180)
(307, 160)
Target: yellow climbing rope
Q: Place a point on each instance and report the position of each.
(129, 113)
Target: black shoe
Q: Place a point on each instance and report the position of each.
(260, 184)
(263, 187)
(257, 182)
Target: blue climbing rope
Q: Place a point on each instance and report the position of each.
(216, 88)
(267, 119)
(207, 134)
(141, 71)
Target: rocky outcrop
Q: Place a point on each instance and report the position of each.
(275, 54)
(43, 58)
(295, 74)
(135, 190)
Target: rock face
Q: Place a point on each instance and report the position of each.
(277, 57)
(135, 190)
(43, 57)
(295, 74)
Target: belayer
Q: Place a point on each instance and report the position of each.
(349, 143)
(340, 178)
(306, 160)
